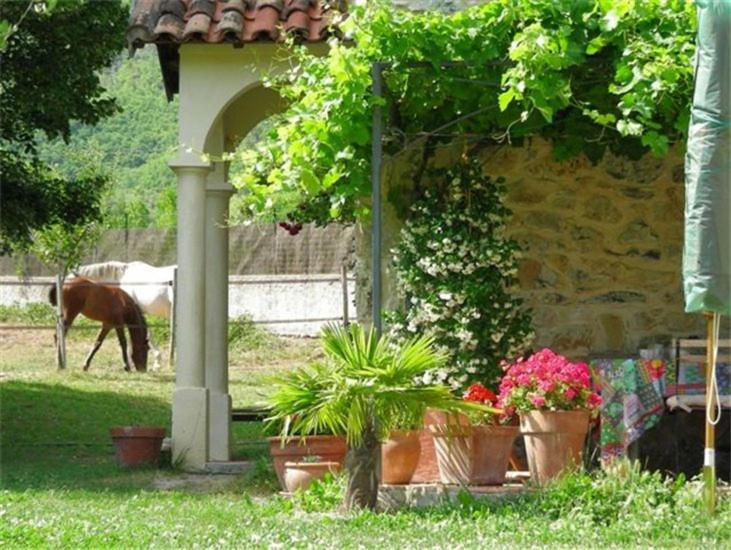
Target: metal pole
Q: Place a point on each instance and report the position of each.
(344, 286)
(709, 460)
(376, 158)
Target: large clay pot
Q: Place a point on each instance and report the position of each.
(329, 448)
(427, 469)
(554, 441)
(399, 457)
(137, 445)
(299, 475)
(473, 455)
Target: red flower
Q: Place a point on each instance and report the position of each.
(478, 392)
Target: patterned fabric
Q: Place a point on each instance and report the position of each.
(632, 401)
(691, 379)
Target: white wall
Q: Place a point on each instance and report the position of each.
(264, 297)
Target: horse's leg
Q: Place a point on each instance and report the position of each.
(99, 340)
(123, 344)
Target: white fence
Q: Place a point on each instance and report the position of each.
(286, 304)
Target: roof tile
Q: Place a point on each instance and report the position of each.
(237, 21)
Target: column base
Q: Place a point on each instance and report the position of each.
(219, 426)
(190, 428)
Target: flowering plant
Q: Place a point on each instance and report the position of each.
(547, 381)
(457, 270)
(477, 393)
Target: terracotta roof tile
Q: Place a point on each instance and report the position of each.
(237, 21)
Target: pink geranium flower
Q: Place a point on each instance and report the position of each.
(546, 380)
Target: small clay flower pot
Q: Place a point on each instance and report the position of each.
(137, 445)
(300, 475)
(330, 448)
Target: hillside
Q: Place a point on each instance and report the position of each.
(132, 146)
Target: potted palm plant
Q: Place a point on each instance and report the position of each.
(361, 391)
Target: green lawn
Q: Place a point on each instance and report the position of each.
(61, 488)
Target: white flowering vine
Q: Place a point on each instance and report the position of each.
(457, 272)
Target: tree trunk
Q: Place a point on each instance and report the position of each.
(362, 463)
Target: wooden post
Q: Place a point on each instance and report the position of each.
(709, 459)
(344, 285)
(60, 336)
(173, 313)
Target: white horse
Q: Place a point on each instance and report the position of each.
(149, 286)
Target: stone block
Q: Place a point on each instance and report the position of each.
(613, 330)
(637, 231)
(600, 208)
(541, 219)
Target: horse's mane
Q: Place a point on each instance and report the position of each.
(103, 272)
(136, 319)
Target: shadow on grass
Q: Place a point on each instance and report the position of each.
(56, 436)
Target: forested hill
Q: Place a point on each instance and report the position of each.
(132, 146)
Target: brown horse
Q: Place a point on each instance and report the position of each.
(112, 307)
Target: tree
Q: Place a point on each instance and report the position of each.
(50, 63)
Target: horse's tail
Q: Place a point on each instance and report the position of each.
(52, 295)
(103, 272)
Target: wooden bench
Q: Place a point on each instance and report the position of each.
(250, 414)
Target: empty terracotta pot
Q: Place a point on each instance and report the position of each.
(137, 445)
(473, 455)
(300, 475)
(554, 441)
(400, 456)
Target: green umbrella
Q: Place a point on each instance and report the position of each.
(707, 250)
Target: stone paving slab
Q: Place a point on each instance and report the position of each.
(423, 495)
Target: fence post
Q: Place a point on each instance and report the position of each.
(60, 336)
(173, 312)
(344, 285)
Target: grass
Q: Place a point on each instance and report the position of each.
(61, 488)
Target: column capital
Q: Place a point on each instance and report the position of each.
(187, 168)
(214, 187)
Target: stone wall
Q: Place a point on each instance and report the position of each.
(602, 268)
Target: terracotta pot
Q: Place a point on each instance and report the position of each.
(427, 469)
(554, 441)
(330, 448)
(473, 455)
(399, 457)
(137, 445)
(299, 475)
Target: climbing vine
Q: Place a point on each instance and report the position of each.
(588, 75)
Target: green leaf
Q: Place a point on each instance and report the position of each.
(506, 98)
(657, 143)
(310, 182)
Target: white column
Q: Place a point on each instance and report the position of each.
(219, 401)
(190, 397)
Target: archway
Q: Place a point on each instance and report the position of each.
(221, 99)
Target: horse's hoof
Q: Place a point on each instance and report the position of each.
(128, 369)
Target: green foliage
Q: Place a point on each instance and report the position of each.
(49, 77)
(35, 313)
(457, 270)
(590, 75)
(244, 334)
(366, 381)
(132, 146)
(323, 495)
